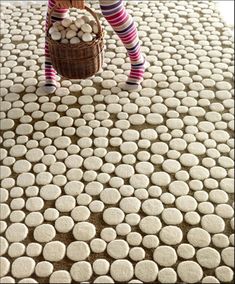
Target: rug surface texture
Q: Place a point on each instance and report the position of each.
(101, 185)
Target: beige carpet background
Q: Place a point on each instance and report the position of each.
(104, 186)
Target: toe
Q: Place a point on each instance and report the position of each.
(129, 87)
(49, 89)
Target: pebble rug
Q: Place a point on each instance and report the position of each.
(100, 185)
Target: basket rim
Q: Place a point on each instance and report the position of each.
(89, 10)
(80, 59)
(81, 44)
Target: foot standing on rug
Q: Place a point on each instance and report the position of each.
(123, 24)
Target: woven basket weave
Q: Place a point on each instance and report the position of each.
(77, 61)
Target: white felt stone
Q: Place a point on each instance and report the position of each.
(86, 28)
(137, 254)
(167, 275)
(92, 163)
(186, 203)
(212, 223)
(171, 166)
(110, 196)
(220, 240)
(139, 181)
(146, 270)
(60, 276)
(101, 266)
(171, 235)
(22, 267)
(150, 225)
(64, 224)
(25, 179)
(208, 257)
(165, 256)
(5, 211)
(113, 216)
(50, 192)
(33, 249)
(4, 245)
(103, 279)
(224, 273)
(160, 178)
(34, 155)
(98, 245)
(74, 40)
(34, 204)
(84, 231)
(66, 22)
(43, 269)
(124, 171)
(80, 213)
(16, 232)
(189, 271)
(16, 250)
(224, 211)
(44, 233)
(150, 241)
(5, 172)
(21, 166)
(81, 271)
(152, 207)
(65, 203)
(34, 219)
(78, 251)
(51, 214)
(70, 34)
(121, 270)
(172, 216)
(108, 234)
(79, 22)
(199, 172)
(228, 256)
(54, 251)
(198, 237)
(185, 251)
(130, 205)
(5, 266)
(118, 249)
(94, 188)
(179, 188)
(74, 188)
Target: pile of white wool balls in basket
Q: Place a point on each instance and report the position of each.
(74, 31)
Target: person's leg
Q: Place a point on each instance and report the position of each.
(50, 73)
(123, 24)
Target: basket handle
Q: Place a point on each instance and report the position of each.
(87, 9)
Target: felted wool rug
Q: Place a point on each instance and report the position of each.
(101, 185)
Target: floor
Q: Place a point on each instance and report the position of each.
(226, 9)
(102, 185)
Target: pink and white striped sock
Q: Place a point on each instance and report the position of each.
(123, 24)
(50, 73)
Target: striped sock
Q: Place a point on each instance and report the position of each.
(123, 24)
(50, 73)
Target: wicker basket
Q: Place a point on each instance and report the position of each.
(77, 61)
